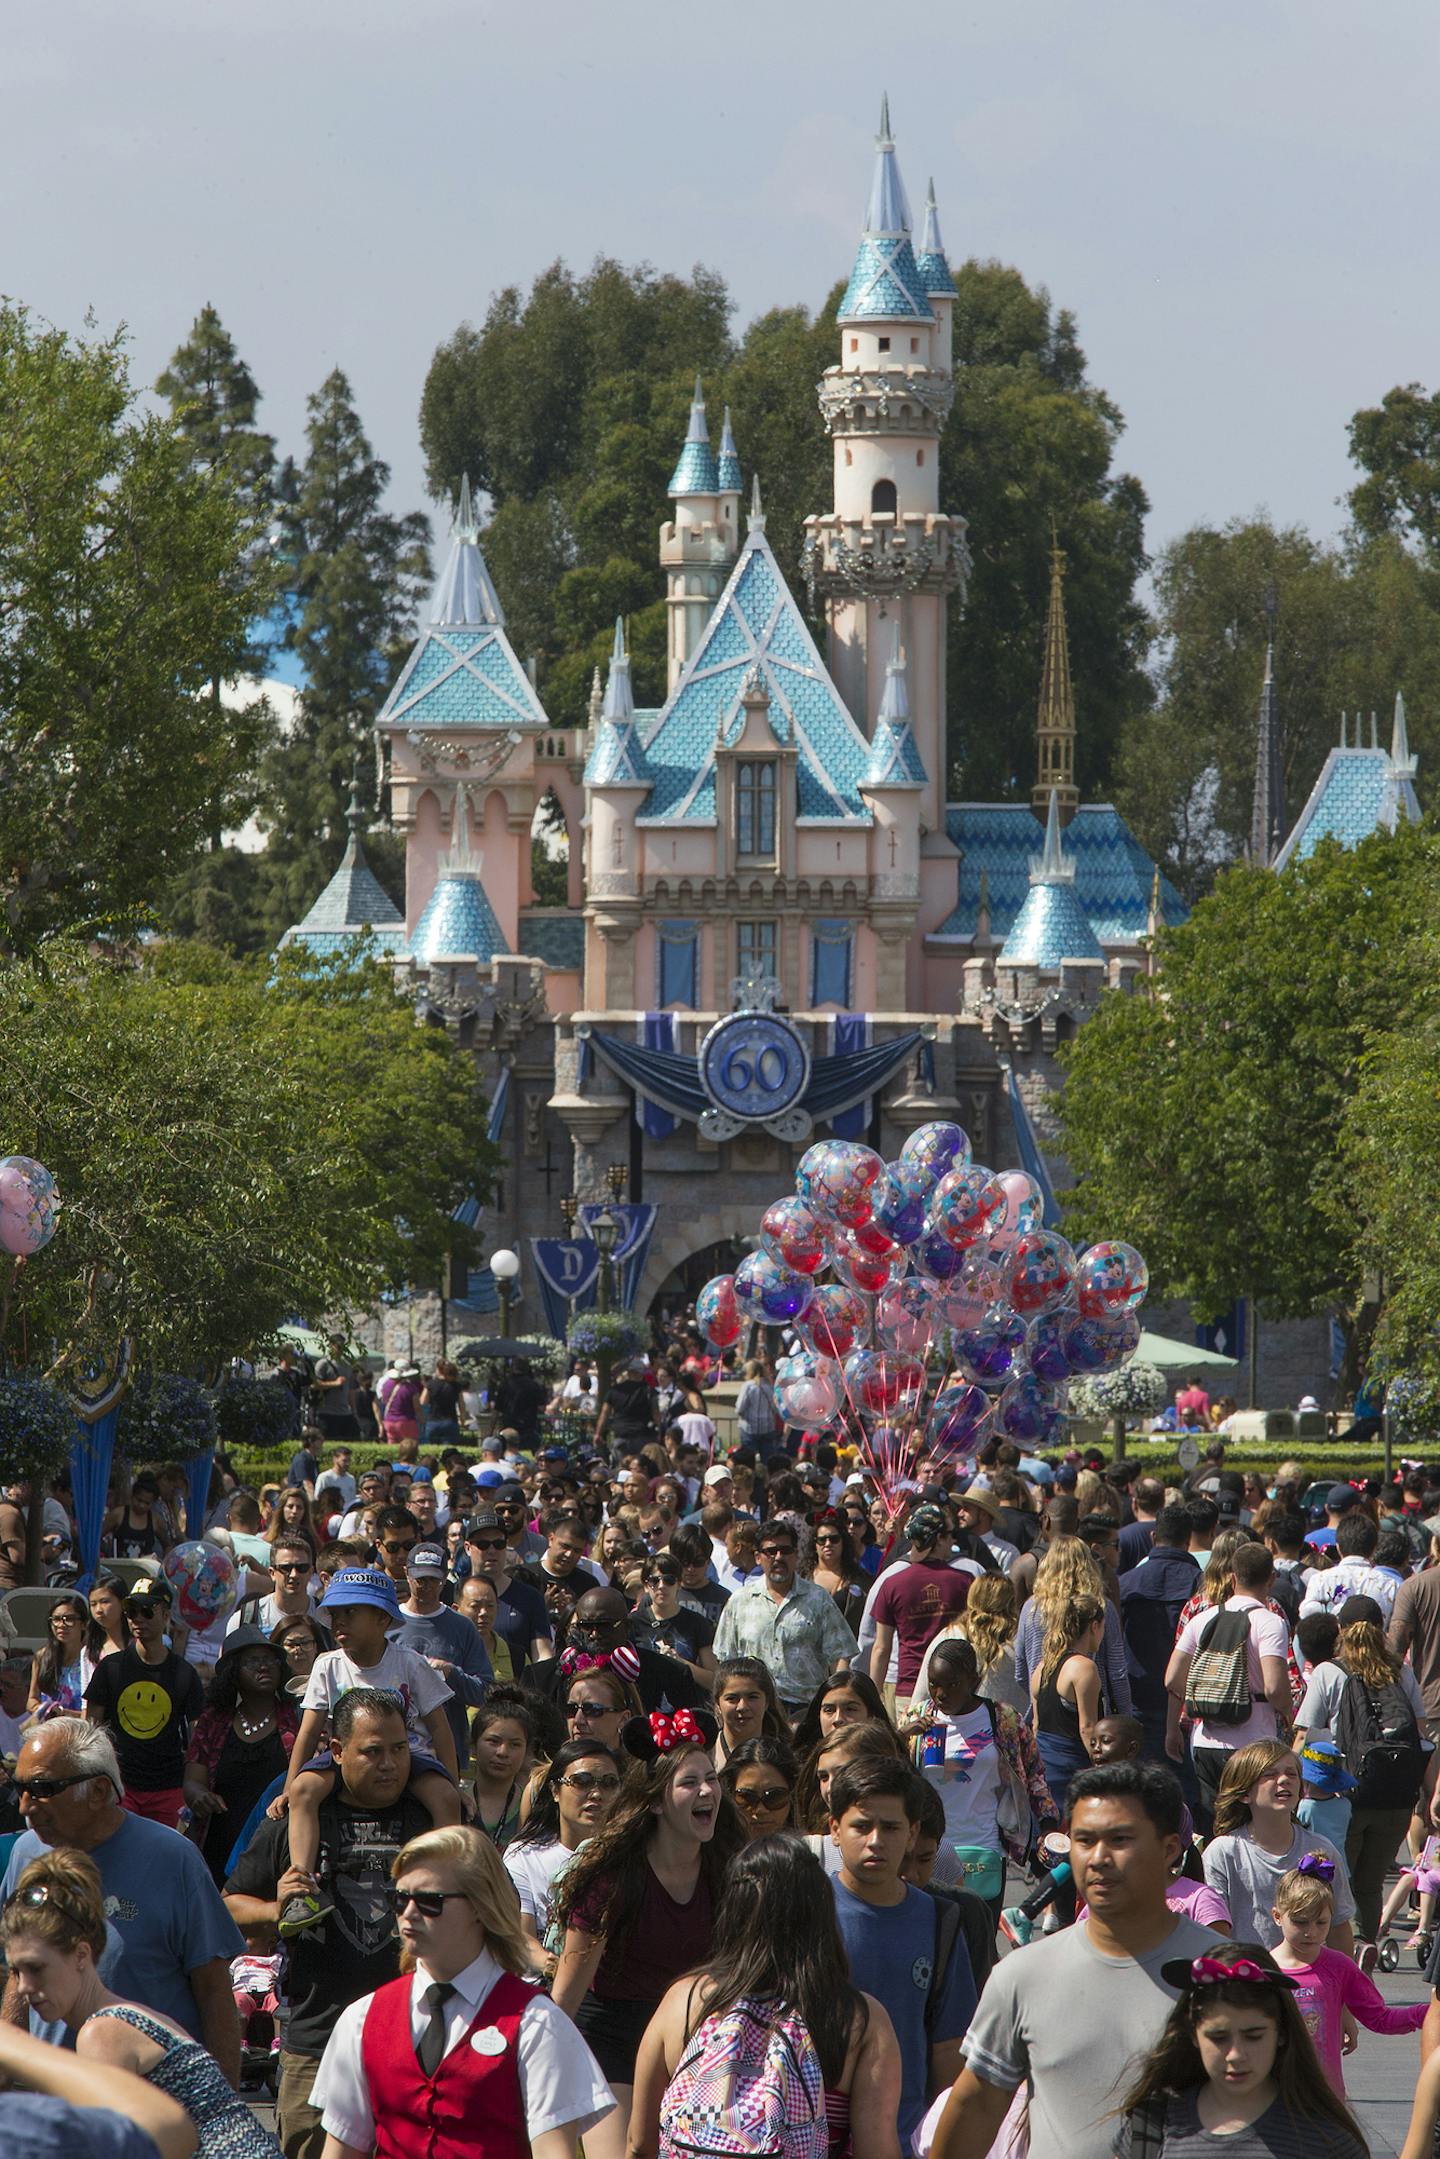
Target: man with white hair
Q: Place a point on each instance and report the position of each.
(175, 1937)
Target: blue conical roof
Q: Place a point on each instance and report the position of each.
(458, 922)
(1052, 925)
(895, 759)
(885, 283)
(695, 472)
(727, 470)
(930, 257)
(615, 758)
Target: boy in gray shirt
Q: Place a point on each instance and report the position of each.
(1075, 2012)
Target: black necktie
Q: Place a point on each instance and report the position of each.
(430, 2051)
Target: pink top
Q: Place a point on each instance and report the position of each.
(1198, 1901)
(1331, 1984)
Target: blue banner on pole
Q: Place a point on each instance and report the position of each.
(197, 1491)
(567, 1269)
(91, 1457)
(1226, 1335)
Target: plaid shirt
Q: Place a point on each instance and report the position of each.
(801, 1640)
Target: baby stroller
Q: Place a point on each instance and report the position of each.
(256, 1981)
(1418, 1883)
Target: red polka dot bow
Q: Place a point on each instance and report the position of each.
(668, 1732)
(1212, 1972)
(622, 1661)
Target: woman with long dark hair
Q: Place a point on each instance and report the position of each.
(837, 1569)
(61, 1669)
(746, 1703)
(241, 1742)
(844, 1698)
(638, 1903)
(777, 1956)
(760, 1777)
(1235, 2057)
(570, 1802)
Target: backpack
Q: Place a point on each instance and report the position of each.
(1376, 1732)
(1217, 1687)
(748, 2086)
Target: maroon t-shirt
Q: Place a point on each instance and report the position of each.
(666, 1940)
(917, 1602)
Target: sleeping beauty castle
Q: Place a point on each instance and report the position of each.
(776, 925)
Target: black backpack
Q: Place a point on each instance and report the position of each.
(1376, 1732)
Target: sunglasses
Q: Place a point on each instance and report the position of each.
(430, 1903)
(582, 1782)
(290, 1566)
(828, 1536)
(591, 1709)
(407, 1546)
(659, 1581)
(777, 1551)
(488, 1544)
(774, 1795)
(40, 1894)
(48, 1788)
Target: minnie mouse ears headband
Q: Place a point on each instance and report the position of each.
(1189, 1975)
(647, 1738)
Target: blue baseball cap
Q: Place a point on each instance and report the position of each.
(490, 1478)
(362, 1585)
(421, 1476)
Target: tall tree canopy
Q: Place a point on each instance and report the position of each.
(130, 576)
(1396, 444)
(1353, 624)
(568, 406)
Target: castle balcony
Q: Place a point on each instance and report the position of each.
(885, 554)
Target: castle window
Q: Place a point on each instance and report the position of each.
(882, 497)
(914, 344)
(848, 457)
(831, 946)
(755, 948)
(679, 950)
(755, 808)
(883, 344)
(854, 344)
(919, 457)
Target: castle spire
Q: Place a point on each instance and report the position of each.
(464, 595)
(694, 472)
(887, 211)
(727, 468)
(1055, 716)
(1267, 811)
(619, 698)
(1400, 753)
(755, 522)
(930, 258)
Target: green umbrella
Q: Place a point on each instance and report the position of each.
(1171, 1356)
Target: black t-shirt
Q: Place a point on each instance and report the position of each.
(148, 1710)
(632, 1409)
(684, 1635)
(443, 1398)
(356, 1948)
(520, 1616)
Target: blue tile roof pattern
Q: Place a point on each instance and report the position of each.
(558, 940)
(756, 623)
(462, 678)
(616, 759)
(885, 284)
(930, 254)
(458, 922)
(695, 472)
(895, 760)
(1358, 792)
(727, 464)
(1113, 873)
(1051, 926)
(353, 902)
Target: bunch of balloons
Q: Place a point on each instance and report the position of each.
(27, 1205)
(928, 1300)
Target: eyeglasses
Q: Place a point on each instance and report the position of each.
(660, 1581)
(49, 1787)
(774, 1795)
(430, 1903)
(591, 1709)
(583, 1782)
(777, 1551)
(488, 1544)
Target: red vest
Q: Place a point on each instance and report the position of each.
(472, 2103)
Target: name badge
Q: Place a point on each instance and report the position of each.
(490, 2041)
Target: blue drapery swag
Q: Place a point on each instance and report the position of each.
(469, 1210)
(659, 1029)
(850, 1033)
(1031, 1159)
(91, 1457)
(836, 1083)
(832, 946)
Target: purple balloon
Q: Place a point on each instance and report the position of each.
(957, 1417)
(989, 1351)
(899, 1206)
(936, 1256)
(1028, 1412)
(1045, 1348)
(1100, 1345)
(767, 1291)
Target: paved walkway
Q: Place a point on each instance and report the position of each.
(1380, 2074)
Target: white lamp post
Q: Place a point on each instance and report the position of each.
(505, 1266)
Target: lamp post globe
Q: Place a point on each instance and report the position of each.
(505, 1266)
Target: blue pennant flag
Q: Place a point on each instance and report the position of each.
(568, 1268)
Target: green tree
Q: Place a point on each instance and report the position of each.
(1396, 444)
(356, 572)
(234, 1142)
(1204, 1121)
(1352, 625)
(214, 400)
(130, 579)
(1030, 441)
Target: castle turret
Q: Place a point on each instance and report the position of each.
(700, 542)
(886, 547)
(616, 785)
(938, 283)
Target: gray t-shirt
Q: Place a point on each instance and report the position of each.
(1321, 1706)
(1275, 2134)
(1247, 1877)
(1054, 2014)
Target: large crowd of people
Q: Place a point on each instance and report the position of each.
(594, 1780)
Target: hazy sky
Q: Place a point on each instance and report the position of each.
(1236, 197)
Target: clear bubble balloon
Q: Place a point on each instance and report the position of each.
(936, 1149)
(717, 1314)
(884, 1383)
(1029, 1412)
(899, 1202)
(957, 1419)
(833, 1321)
(1110, 1278)
(967, 1205)
(867, 1272)
(1045, 1350)
(988, 1352)
(809, 1391)
(835, 1179)
(871, 1236)
(205, 1581)
(793, 1236)
(28, 1205)
(1024, 1202)
(1038, 1272)
(1100, 1345)
(906, 1316)
(935, 1256)
(766, 1291)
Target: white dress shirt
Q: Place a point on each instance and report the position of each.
(560, 2080)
